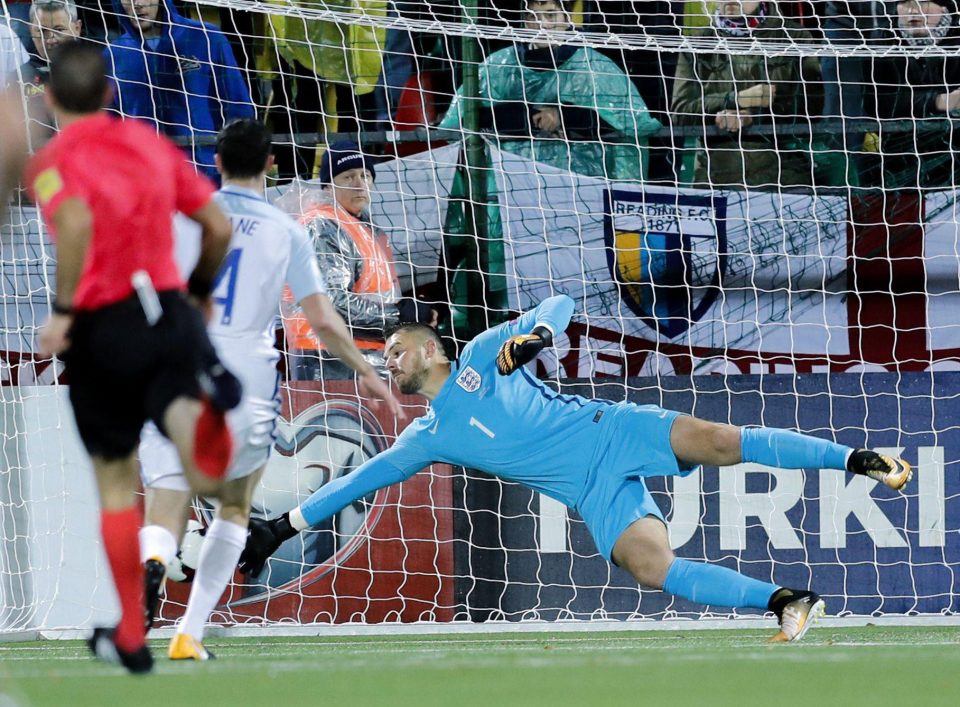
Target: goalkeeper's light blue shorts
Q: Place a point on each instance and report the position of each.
(615, 496)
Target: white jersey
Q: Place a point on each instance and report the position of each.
(268, 249)
(12, 54)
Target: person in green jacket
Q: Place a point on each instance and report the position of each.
(569, 107)
(584, 113)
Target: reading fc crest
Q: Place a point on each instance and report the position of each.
(667, 253)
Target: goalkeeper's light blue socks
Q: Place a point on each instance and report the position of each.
(720, 586)
(784, 449)
(716, 585)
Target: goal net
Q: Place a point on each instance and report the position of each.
(753, 206)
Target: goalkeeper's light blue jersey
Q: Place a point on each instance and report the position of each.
(513, 427)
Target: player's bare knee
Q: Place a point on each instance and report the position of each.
(650, 568)
(236, 497)
(233, 505)
(725, 440)
(180, 421)
(167, 508)
(644, 551)
(236, 514)
(200, 484)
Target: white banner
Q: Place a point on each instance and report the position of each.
(724, 274)
(666, 280)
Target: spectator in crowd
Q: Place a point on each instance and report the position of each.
(358, 265)
(732, 91)
(52, 23)
(570, 107)
(848, 23)
(398, 66)
(100, 22)
(914, 88)
(566, 106)
(18, 15)
(324, 71)
(178, 73)
(14, 141)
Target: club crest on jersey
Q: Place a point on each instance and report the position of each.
(469, 380)
(667, 252)
(188, 63)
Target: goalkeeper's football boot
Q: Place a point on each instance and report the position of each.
(891, 472)
(796, 611)
(154, 573)
(185, 647)
(102, 645)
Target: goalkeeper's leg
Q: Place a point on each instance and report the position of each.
(700, 442)
(219, 555)
(643, 549)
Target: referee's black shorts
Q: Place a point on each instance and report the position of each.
(122, 372)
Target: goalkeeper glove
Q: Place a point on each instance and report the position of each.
(263, 539)
(521, 349)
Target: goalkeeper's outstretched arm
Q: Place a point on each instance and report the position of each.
(265, 536)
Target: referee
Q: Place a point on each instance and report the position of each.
(134, 347)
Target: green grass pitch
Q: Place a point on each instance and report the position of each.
(869, 665)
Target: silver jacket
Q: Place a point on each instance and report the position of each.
(341, 264)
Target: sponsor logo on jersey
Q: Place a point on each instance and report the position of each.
(188, 64)
(469, 380)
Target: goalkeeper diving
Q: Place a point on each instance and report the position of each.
(488, 412)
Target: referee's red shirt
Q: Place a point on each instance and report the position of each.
(133, 181)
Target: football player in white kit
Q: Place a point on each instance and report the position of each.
(267, 250)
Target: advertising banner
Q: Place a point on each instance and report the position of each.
(865, 548)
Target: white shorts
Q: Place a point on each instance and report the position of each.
(252, 424)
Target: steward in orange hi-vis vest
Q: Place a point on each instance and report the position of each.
(358, 260)
(357, 264)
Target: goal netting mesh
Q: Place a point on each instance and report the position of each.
(756, 217)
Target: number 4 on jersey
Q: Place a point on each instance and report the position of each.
(227, 278)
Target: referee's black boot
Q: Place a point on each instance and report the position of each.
(102, 645)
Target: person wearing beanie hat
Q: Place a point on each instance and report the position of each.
(342, 156)
(915, 88)
(358, 265)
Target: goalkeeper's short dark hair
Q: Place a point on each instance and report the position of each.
(244, 146)
(421, 331)
(78, 77)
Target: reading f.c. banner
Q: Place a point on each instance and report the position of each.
(667, 253)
